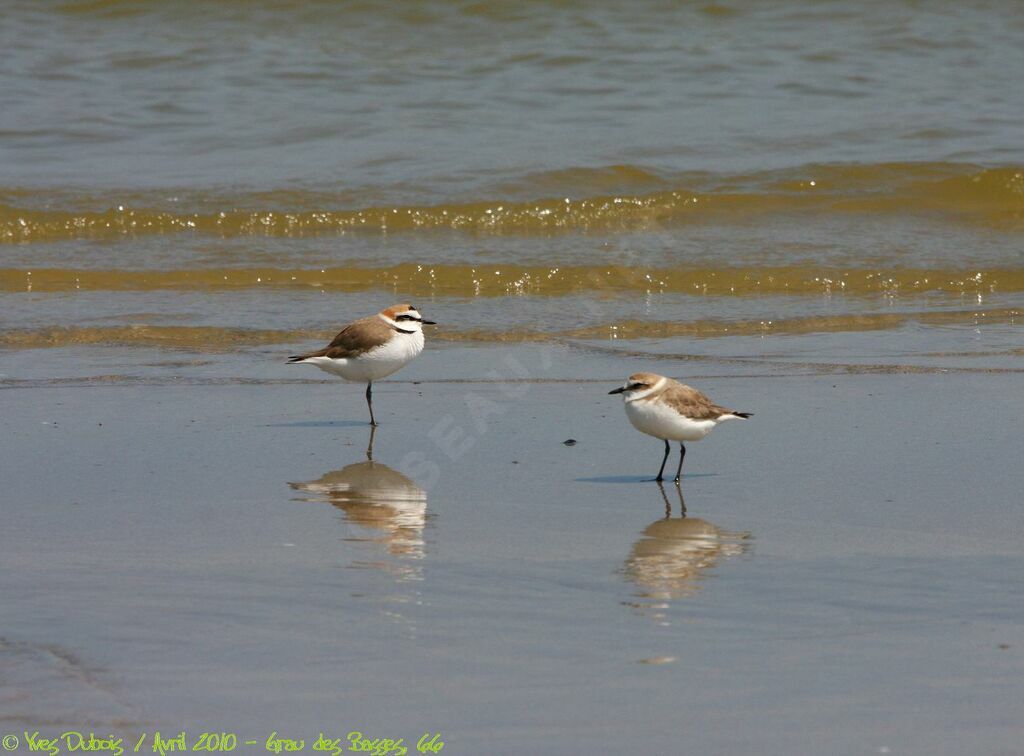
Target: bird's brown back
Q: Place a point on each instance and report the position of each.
(690, 402)
(355, 339)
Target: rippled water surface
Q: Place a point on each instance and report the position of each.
(660, 161)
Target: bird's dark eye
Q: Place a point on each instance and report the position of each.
(636, 386)
(406, 317)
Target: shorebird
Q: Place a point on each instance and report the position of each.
(371, 348)
(671, 411)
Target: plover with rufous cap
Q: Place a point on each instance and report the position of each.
(671, 411)
(371, 348)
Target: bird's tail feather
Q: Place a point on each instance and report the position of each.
(744, 415)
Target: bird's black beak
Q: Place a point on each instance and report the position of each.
(429, 322)
(619, 390)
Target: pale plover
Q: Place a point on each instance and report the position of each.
(372, 348)
(671, 411)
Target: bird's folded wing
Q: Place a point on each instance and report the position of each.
(357, 338)
(353, 340)
(693, 404)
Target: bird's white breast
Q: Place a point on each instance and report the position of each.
(378, 362)
(658, 419)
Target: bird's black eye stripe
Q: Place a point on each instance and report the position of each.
(406, 317)
(636, 386)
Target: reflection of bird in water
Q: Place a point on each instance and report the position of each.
(669, 560)
(378, 498)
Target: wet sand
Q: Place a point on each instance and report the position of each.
(199, 542)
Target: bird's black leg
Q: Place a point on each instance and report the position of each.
(663, 459)
(369, 401)
(682, 454)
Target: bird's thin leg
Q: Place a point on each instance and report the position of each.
(369, 401)
(663, 459)
(682, 454)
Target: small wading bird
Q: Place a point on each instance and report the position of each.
(371, 348)
(671, 411)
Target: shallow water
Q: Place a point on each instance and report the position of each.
(862, 156)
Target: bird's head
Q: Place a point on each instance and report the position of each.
(638, 386)
(404, 317)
